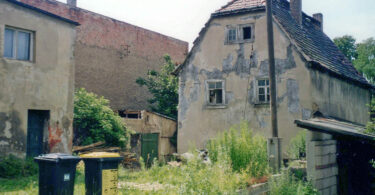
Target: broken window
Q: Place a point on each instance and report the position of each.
(246, 31)
(18, 44)
(215, 92)
(232, 35)
(130, 114)
(263, 90)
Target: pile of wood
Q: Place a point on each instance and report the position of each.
(129, 158)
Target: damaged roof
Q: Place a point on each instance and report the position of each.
(335, 127)
(43, 12)
(319, 49)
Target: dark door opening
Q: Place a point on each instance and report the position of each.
(150, 147)
(356, 173)
(36, 122)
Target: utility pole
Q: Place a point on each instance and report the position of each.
(274, 143)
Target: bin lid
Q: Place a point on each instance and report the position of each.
(101, 155)
(56, 157)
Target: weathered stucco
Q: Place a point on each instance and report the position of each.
(46, 83)
(301, 90)
(154, 123)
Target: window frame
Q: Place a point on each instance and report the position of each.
(239, 33)
(208, 92)
(15, 43)
(266, 92)
(241, 27)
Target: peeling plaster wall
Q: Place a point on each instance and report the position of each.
(110, 55)
(240, 65)
(47, 83)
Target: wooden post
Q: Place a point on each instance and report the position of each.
(274, 143)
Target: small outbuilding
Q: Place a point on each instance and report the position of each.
(339, 156)
(155, 136)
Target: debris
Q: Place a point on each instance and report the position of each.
(88, 147)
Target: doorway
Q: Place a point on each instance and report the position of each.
(37, 120)
(150, 147)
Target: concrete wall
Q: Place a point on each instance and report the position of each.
(46, 83)
(300, 89)
(322, 167)
(154, 123)
(111, 55)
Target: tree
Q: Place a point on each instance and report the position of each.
(95, 121)
(164, 89)
(365, 62)
(347, 46)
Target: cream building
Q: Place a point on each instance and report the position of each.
(224, 79)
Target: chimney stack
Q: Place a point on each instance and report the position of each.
(72, 3)
(319, 17)
(296, 10)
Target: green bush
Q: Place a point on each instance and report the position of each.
(287, 184)
(297, 146)
(245, 151)
(95, 121)
(13, 167)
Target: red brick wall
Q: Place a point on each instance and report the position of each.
(110, 55)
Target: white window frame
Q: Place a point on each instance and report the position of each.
(239, 33)
(208, 92)
(15, 39)
(266, 92)
(240, 29)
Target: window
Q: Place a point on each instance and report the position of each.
(263, 90)
(215, 92)
(246, 32)
(240, 33)
(232, 35)
(18, 44)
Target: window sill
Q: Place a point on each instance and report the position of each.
(262, 104)
(26, 62)
(239, 42)
(216, 106)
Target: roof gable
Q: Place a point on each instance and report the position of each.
(312, 42)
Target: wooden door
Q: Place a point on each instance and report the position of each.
(37, 119)
(150, 147)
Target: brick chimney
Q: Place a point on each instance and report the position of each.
(296, 10)
(72, 3)
(319, 17)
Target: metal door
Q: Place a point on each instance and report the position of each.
(37, 119)
(150, 147)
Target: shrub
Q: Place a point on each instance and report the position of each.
(287, 184)
(297, 146)
(244, 151)
(94, 121)
(13, 167)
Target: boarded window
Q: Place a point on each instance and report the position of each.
(263, 90)
(215, 92)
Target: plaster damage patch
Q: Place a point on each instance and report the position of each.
(292, 89)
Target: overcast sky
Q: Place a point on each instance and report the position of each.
(183, 19)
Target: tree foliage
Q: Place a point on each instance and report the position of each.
(164, 89)
(365, 62)
(347, 45)
(95, 121)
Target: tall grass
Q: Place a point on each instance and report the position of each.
(244, 150)
(287, 184)
(297, 146)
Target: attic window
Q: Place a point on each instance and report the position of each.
(246, 33)
(130, 114)
(232, 35)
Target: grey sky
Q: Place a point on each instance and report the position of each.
(183, 19)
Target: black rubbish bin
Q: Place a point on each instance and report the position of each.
(57, 173)
(101, 173)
